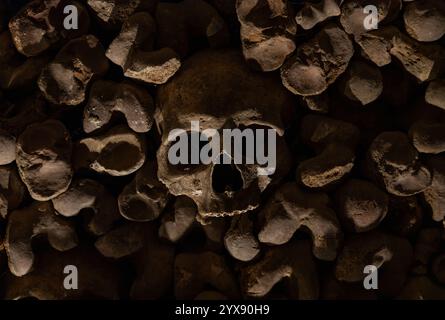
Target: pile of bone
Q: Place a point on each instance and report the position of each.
(85, 180)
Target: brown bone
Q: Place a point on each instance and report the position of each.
(435, 93)
(428, 136)
(363, 82)
(353, 15)
(405, 215)
(313, 13)
(425, 20)
(39, 25)
(107, 97)
(423, 61)
(66, 78)
(318, 62)
(7, 148)
(267, 31)
(133, 51)
(361, 205)
(394, 163)
(12, 190)
(103, 153)
(15, 71)
(391, 255)
(334, 141)
(193, 271)
(293, 261)
(114, 12)
(240, 239)
(154, 265)
(98, 278)
(421, 288)
(178, 221)
(89, 194)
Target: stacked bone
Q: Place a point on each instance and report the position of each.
(85, 180)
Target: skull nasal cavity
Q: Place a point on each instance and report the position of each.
(226, 177)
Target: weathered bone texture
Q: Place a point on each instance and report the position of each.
(115, 12)
(435, 93)
(194, 271)
(376, 45)
(423, 61)
(124, 240)
(361, 205)
(214, 229)
(103, 153)
(89, 194)
(145, 197)
(439, 268)
(363, 82)
(334, 141)
(241, 98)
(434, 195)
(427, 245)
(97, 277)
(27, 223)
(107, 98)
(405, 215)
(133, 50)
(291, 209)
(393, 162)
(210, 296)
(66, 78)
(332, 289)
(180, 23)
(154, 265)
(293, 262)
(267, 32)
(7, 148)
(390, 254)
(421, 288)
(428, 136)
(359, 176)
(39, 25)
(183, 219)
(240, 239)
(318, 62)
(313, 13)
(12, 190)
(44, 159)
(177, 222)
(3, 15)
(15, 72)
(425, 20)
(353, 15)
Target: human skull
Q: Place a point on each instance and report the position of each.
(217, 89)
